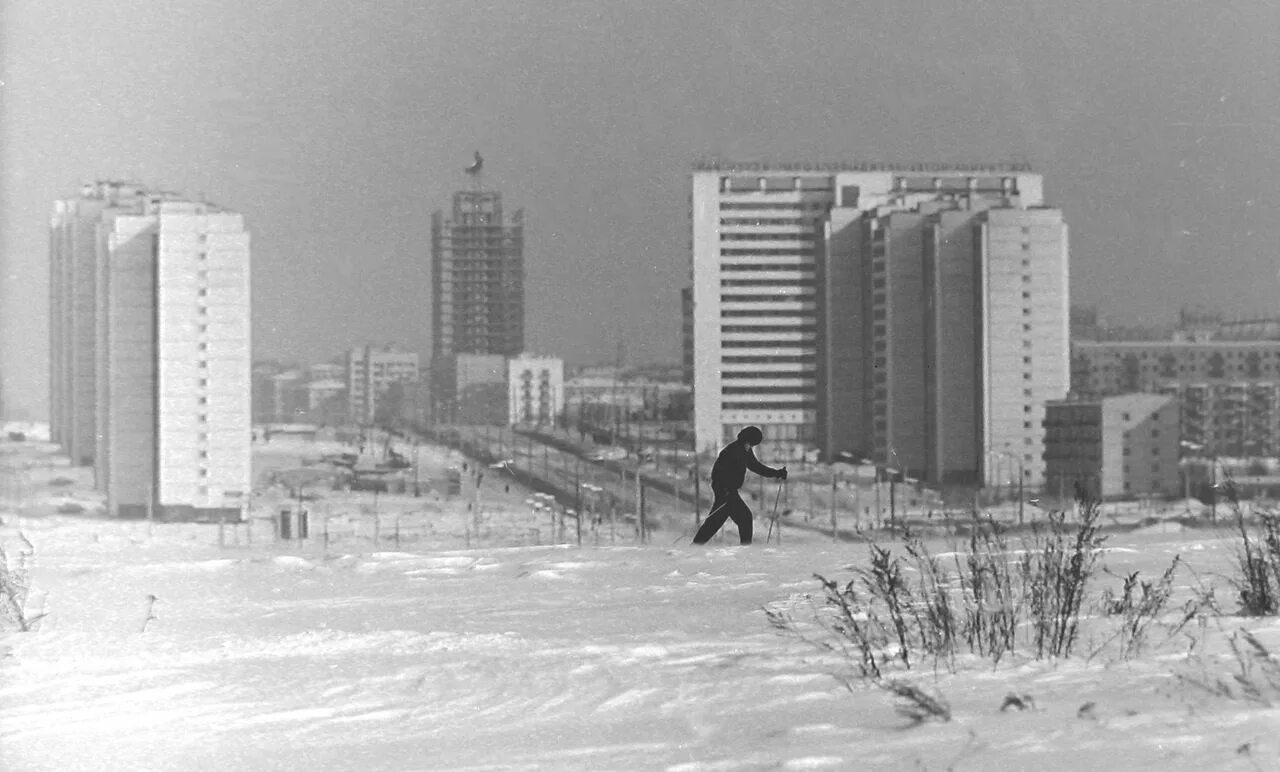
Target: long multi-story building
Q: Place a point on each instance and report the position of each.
(153, 290)
(1228, 391)
(916, 315)
(477, 289)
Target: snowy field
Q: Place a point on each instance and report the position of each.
(162, 650)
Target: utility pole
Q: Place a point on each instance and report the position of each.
(617, 373)
(833, 502)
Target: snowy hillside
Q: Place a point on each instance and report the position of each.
(162, 650)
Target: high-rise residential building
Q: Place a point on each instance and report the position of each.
(150, 363)
(477, 289)
(477, 267)
(915, 315)
(371, 373)
(75, 249)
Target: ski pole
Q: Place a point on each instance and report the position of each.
(774, 518)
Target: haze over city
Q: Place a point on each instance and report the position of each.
(336, 130)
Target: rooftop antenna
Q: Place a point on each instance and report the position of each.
(475, 172)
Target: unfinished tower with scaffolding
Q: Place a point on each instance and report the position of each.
(477, 271)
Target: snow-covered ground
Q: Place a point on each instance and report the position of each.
(162, 650)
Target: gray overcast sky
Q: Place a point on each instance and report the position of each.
(337, 127)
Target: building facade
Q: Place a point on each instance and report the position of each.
(915, 316)
(477, 288)
(76, 247)
(1112, 448)
(535, 390)
(371, 374)
(170, 346)
(1228, 391)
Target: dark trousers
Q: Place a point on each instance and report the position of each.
(727, 505)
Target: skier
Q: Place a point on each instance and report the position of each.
(727, 476)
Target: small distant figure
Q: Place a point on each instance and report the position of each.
(727, 476)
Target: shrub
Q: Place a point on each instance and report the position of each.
(15, 586)
(1139, 604)
(1256, 676)
(991, 602)
(1258, 563)
(1055, 570)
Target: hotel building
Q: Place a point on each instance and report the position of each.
(914, 315)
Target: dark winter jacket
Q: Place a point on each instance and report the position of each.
(731, 467)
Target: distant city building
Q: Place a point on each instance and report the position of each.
(916, 316)
(153, 290)
(289, 398)
(1115, 447)
(477, 288)
(327, 371)
(599, 394)
(371, 372)
(535, 390)
(327, 402)
(477, 388)
(1228, 390)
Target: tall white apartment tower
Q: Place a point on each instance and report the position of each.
(74, 247)
(170, 347)
(911, 314)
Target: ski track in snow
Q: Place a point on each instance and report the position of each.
(530, 658)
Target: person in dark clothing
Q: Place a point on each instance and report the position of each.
(727, 476)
